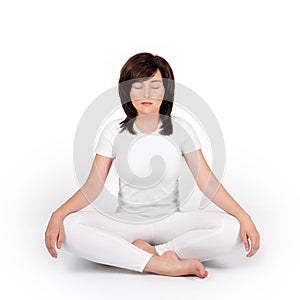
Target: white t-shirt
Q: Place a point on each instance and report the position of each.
(148, 165)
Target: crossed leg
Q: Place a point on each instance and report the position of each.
(169, 263)
(196, 235)
(98, 238)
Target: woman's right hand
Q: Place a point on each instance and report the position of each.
(54, 233)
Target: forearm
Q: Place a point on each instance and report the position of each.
(211, 187)
(215, 191)
(225, 201)
(90, 190)
(83, 197)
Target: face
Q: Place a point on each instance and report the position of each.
(147, 96)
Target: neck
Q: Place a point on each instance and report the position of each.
(148, 118)
(147, 122)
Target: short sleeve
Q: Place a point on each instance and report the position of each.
(191, 141)
(105, 142)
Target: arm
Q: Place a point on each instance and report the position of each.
(91, 188)
(84, 196)
(214, 190)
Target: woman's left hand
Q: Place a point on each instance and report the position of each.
(249, 232)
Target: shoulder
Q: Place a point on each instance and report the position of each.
(113, 125)
(115, 122)
(110, 129)
(180, 122)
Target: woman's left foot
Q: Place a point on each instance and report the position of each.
(145, 246)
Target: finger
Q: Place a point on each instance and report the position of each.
(246, 241)
(254, 245)
(60, 238)
(52, 248)
(48, 244)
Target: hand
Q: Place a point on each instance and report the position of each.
(54, 234)
(249, 232)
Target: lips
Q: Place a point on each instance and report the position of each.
(146, 103)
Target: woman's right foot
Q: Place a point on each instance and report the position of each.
(169, 264)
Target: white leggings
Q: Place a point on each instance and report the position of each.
(196, 234)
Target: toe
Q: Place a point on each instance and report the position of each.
(203, 272)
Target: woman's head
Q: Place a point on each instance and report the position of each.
(149, 78)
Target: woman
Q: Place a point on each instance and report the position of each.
(176, 244)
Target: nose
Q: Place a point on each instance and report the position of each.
(146, 91)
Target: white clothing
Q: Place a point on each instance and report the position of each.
(148, 165)
(195, 234)
(149, 168)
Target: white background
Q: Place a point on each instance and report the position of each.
(242, 57)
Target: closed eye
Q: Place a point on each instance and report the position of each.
(156, 86)
(137, 86)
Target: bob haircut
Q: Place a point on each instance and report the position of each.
(142, 66)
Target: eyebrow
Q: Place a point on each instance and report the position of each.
(156, 80)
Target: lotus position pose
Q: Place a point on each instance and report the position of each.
(148, 232)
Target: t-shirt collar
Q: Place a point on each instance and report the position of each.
(154, 132)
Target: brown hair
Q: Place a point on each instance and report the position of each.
(142, 66)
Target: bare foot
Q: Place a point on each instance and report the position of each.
(169, 264)
(145, 246)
